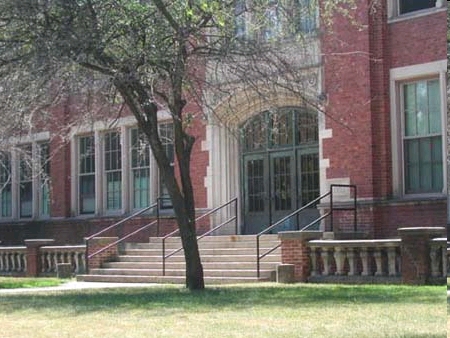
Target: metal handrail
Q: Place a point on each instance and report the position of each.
(329, 213)
(234, 218)
(122, 221)
(154, 205)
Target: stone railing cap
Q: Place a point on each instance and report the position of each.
(38, 242)
(422, 231)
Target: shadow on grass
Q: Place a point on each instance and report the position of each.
(236, 297)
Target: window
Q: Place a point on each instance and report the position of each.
(25, 180)
(113, 170)
(275, 18)
(422, 140)
(5, 185)
(166, 135)
(140, 169)
(418, 125)
(407, 6)
(44, 182)
(86, 179)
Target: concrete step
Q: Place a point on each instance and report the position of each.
(181, 272)
(165, 279)
(181, 265)
(203, 251)
(205, 258)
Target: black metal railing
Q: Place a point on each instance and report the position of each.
(156, 222)
(314, 202)
(233, 203)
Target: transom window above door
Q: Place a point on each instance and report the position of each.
(281, 128)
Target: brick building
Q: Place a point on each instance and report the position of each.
(381, 85)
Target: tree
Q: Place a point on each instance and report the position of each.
(152, 55)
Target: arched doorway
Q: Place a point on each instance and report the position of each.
(279, 167)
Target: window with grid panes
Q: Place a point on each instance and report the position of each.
(113, 170)
(422, 137)
(140, 168)
(25, 181)
(5, 184)
(86, 172)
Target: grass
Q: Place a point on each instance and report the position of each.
(18, 283)
(257, 310)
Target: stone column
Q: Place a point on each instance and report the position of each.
(415, 251)
(33, 261)
(294, 250)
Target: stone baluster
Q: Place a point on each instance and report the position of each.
(392, 257)
(351, 261)
(364, 254)
(2, 264)
(339, 257)
(13, 262)
(377, 254)
(326, 261)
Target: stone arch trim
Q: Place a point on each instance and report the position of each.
(235, 110)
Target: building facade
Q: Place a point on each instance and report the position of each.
(380, 124)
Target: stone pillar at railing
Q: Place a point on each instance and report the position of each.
(294, 250)
(33, 261)
(97, 243)
(415, 251)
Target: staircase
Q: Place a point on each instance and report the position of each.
(225, 259)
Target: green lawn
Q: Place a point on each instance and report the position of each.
(257, 310)
(19, 283)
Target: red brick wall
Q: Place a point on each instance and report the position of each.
(418, 40)
(346, 64)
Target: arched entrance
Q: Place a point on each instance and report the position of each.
(279, 167)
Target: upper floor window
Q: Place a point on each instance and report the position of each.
(275, 19)
(402, 7)
(5, 185)
(407, 6)
(86, 174)
(140, 169)
(113, 170)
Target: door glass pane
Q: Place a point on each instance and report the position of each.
(310, 188)
(281, 131)
(307, 128)
(255, 185)
(282, 183)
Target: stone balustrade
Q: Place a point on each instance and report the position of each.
(368, 259)
(13, 260)
(51, 256)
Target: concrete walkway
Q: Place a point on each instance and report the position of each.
(74, 285)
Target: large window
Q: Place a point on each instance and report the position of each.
(423, 160)
(86, 163)
(25, 180)
(114, 170)
(5, 185)
(140, 169)
(418, 127)
(409, 8)
(275, 19)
